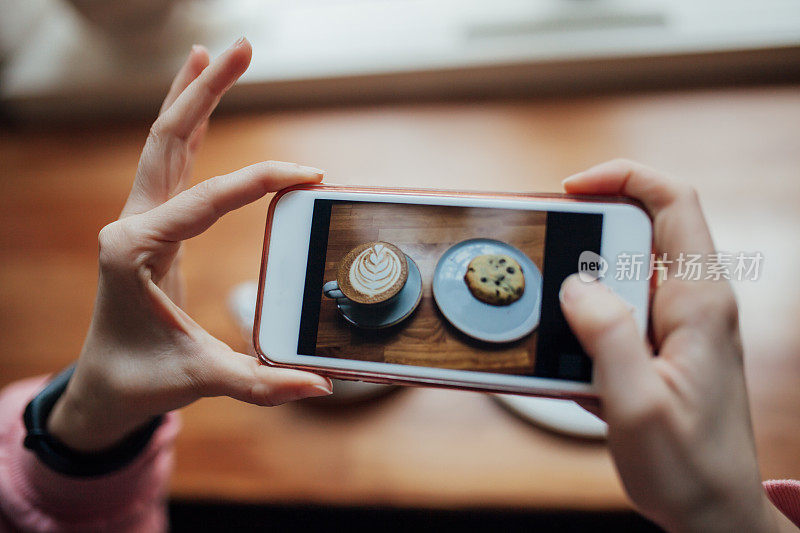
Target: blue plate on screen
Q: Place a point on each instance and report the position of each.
(482, 321)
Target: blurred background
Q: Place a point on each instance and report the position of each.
(116, 56)
(504, 95)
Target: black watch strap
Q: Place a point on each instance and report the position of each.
(58, 456)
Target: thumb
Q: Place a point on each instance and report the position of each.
(244, 378)
(623, 370)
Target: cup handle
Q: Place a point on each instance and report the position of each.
(331, 290)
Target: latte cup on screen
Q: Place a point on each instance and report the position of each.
(372, 273)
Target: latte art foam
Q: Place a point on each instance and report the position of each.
(375, 270)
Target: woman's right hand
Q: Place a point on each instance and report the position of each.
(679, 424)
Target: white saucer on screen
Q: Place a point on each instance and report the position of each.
(560, 416)
(242, 305)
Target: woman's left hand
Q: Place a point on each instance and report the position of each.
(143, 355)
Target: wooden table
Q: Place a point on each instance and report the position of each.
(422, 447)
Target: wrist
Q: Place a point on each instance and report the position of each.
(77, 446)
(86, 420)
(754, 514)
(781, 521)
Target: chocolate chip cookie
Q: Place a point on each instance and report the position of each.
(495, 279)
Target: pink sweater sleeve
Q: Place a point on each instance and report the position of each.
(785, 495)
(35, 498)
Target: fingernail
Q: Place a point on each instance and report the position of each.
(323, 390)
(312, 391)
(573, 288)
(312, 170)
(238, 42)
(570, 178)
(293, 394)
(195, 48)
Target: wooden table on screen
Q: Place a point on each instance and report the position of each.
(424, 234)
(417, 447)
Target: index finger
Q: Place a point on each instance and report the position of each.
(678, 221)
(194, 210)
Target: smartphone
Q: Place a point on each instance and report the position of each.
(441, 288)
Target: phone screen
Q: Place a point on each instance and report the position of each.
(463, 288)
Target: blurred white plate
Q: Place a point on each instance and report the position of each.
(561, 416)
